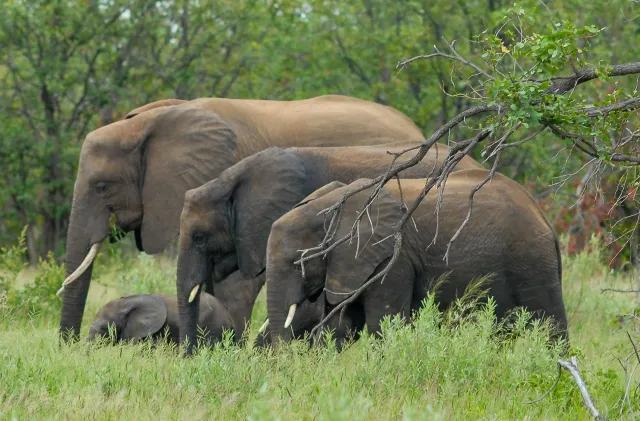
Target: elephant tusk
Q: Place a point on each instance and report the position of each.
(263, 327)
(292, 311)
(194, 292)
(83, 266)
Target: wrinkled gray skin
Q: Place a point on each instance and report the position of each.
(225, 223)
(147, 316)
(507, 236)
(138, 169)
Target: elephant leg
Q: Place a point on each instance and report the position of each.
(540, 293)
(390, 296)
(345, 326)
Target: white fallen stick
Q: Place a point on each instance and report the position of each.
(572, 367)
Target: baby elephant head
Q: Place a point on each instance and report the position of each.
(132, 318)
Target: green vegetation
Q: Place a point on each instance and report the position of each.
(69, 67)
(459, 369)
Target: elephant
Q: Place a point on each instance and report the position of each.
(149, 316)
(225, 223)
(507, 237)
(136, 171)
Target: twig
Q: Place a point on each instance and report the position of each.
(634, 347)
(636, 291)
(548, 391)
(454, 57)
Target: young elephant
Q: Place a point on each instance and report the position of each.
(507, 236)
(139, 317)
(225, 223)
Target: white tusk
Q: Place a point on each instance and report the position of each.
(194, 292)
(83, 266)
(264, 326)
(292, 311)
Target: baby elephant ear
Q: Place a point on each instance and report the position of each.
(352, 263)
(146, 314)
(327, 188)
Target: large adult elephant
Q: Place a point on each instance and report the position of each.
(138, 169)
(226, 222)
(507, 236)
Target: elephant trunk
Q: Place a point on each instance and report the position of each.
(189, 313)
(84, 235)
(280, 312)
(193, 272)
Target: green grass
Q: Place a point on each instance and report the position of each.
(428, 371)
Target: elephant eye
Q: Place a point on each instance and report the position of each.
(101, 187)
(200, 240)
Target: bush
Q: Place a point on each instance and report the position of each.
(12, 263)
(38, 297)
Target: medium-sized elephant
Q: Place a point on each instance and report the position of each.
(225, 223)
(507, 237)
(148, 316)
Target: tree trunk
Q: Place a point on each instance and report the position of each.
(32, 249)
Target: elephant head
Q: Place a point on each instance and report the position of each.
(225, 223)
(132, 318)
(138, 170)
(344, 269)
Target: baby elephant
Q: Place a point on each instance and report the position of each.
(139, 317)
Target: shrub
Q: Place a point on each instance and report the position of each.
(37, 297)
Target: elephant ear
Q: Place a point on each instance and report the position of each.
(327, 188)
(267, 185)
(182, 148)
(346, 272)
(145, 315)
(152, 105)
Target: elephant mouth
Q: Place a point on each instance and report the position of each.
(131, 225)
(124, 227)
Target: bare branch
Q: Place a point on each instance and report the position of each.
(572, 367)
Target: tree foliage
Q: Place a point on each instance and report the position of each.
(69, 67)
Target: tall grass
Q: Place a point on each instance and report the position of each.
(440, 368)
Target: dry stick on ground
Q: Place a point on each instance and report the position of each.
(571, 366)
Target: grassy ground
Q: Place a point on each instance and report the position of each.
(431, 371)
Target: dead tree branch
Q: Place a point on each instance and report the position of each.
(571, 366)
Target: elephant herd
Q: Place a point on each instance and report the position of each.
(241, 183)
